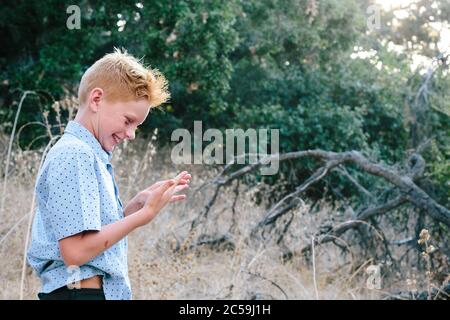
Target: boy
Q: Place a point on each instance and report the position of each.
(80, 227)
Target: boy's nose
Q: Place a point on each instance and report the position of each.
(130, 134)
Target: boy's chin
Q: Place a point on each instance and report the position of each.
(109, 144)
(109, 147)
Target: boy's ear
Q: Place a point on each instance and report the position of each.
(95, 98)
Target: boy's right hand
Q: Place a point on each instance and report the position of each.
(160, 196)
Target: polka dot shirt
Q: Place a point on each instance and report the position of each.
(76, 191)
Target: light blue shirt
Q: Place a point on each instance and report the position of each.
(76, 191)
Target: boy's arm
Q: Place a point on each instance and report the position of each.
(84, 246)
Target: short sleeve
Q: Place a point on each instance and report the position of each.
(73, 203)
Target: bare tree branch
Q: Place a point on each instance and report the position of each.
(403, 182)
(362, 216)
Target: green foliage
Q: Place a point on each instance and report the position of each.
(249, 64)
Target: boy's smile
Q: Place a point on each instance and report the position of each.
(118, 121)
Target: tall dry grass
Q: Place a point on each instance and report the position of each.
(165, 260)
(157, 271)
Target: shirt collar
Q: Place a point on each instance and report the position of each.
(79, 131)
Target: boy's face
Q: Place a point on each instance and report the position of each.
(118, 121)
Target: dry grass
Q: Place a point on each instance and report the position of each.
(157, 271)
(164, 260)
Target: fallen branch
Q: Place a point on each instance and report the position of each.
(403, 184)
(362, 217)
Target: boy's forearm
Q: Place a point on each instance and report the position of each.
(91, 244)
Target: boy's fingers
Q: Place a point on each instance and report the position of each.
(166, 185)
(156, 185)
(181, 179)
(176, 188)
(184, 181)
(178, 198)
(181, 174)
(180, 187)
(177, 180)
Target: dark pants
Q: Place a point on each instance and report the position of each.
(65, 293)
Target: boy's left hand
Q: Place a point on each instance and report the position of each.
(138, 201)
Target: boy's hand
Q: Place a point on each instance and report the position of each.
(159, 196)
(140, 199)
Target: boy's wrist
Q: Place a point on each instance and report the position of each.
(128, 210)
(143, 216)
